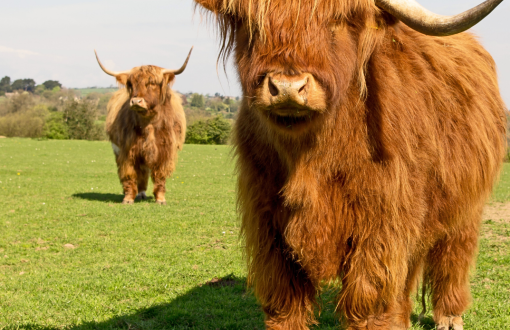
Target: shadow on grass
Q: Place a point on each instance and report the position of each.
(107, 198)
(426, 324)
(218, 304)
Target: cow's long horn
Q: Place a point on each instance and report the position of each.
(181, 70)
(426, 22)
(111, 73)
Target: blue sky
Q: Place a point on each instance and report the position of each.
(55, 39)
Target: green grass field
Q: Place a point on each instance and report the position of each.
(71, 256)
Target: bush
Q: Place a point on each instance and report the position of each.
(18, 103)
(98, 132)
(29, 123)
(80, 121)
(211, 131)
(55, 127)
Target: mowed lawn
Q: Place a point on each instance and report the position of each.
(71, 256)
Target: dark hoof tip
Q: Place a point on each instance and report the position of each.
(161, 202)
(125, 202)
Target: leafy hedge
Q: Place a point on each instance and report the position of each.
(23, 116)
(27, 123)
(211, 131)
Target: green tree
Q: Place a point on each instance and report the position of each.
(50, 84)
(24, 84)
(5, 85)
(197, 100)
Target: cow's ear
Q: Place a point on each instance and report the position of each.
(122, 79)
(212, 5)
(169, 78)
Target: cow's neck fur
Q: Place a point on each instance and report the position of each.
(151, 130)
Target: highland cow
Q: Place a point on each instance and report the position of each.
(370, 134)
(147, 126)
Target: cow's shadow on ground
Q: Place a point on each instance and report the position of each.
(219, 304)
(107, 198)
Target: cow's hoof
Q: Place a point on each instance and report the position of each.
(142, 195)
(457, 323)
(127, 202)
(161, 202)
(450, 322)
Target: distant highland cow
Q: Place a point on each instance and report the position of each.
(146, 125)
(366, 148)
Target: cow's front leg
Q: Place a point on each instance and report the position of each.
(284, 290)
(159, 180)
(374, 284)
(128, 178)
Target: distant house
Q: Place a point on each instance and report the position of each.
(8, 95)
(63, 99)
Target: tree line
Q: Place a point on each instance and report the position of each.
(26, 85)
(50, 111)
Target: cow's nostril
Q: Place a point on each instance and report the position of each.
(303, 88)
(272, 88)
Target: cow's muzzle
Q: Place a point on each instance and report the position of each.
(138, 104)
(290, 101)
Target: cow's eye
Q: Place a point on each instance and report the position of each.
(334, 24)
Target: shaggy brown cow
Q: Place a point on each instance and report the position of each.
(146, 125)
(365, 152)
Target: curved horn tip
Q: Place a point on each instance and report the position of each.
(109, 72)
(422, 20)
(181, 70)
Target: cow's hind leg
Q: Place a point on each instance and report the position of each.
(142, 172)
(448, 265)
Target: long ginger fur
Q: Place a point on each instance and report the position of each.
(388, 184)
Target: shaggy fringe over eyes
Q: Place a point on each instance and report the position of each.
(151, 74)
(256, 15)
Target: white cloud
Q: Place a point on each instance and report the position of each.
(20, 52)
